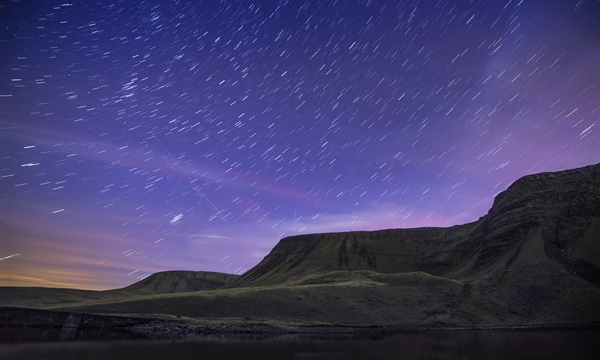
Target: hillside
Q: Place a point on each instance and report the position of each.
(165, 282)
(563, 207)
(533, 260)
(180, 281)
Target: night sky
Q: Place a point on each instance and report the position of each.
(142, 136)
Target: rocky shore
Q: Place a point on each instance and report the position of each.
(33, 325)
(23, 325)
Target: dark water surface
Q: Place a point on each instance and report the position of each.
(491, 344)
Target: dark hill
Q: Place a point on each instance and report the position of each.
(180, 281)
(535, 257)
(166, 282)
(429, 250)
(561, 210)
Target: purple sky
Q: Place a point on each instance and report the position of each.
(145, 136)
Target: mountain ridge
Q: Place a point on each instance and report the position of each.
(530, 206)
(532, 260)
(176, 281)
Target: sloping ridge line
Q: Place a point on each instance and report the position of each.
(562, 204)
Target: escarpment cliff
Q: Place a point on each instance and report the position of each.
(533, 259)
(563, 208)
(430, 250)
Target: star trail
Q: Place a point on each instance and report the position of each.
(192, 135)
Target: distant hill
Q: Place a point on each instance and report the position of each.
(180, 281)
(533, 260)
(166, 282)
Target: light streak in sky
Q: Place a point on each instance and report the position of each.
(176, 219)
(195, 188)
(9, 256)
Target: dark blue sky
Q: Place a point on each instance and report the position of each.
(155, 135)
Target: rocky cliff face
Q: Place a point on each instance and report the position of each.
(563, 205)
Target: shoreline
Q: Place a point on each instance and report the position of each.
(22, 325)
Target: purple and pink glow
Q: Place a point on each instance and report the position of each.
(192, 135)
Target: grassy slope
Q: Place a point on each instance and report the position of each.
(158, 283)
(385, 251)
(362, 299)
(180, 281)
(34, 297)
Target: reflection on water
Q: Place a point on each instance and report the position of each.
(524, 344)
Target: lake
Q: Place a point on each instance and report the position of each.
(489, 344)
